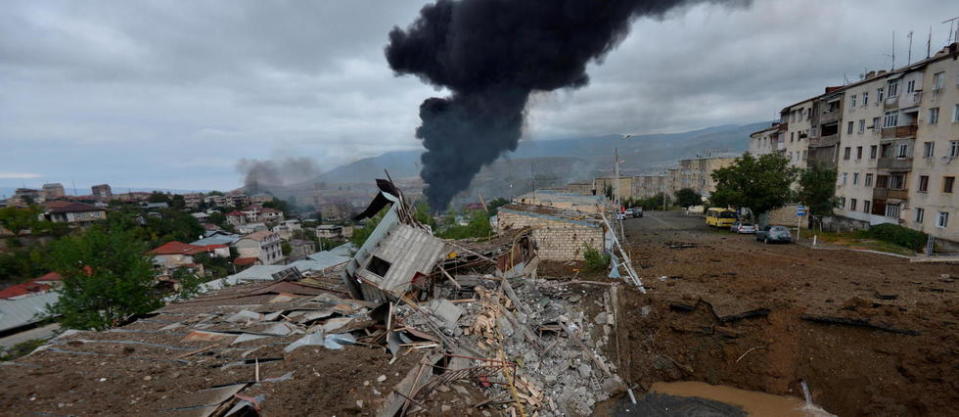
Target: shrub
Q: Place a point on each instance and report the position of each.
(896, 234)
(595, 260)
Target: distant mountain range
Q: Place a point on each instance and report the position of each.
(643, 154)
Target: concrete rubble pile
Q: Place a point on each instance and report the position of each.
(534, 356)
(409, 325)
(483, 318)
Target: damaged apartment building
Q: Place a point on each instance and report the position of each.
(408, 324)
(893, 139)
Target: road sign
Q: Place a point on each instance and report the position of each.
(800, 211)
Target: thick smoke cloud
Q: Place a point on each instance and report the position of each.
(268, 175)
(492, 54)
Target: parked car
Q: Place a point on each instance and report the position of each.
(628, 212)
(771, 234)
(742, 227)
(637, 212)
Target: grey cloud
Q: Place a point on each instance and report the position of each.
(83, 84)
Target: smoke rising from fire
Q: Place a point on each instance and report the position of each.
(492, 54)
(269, 175)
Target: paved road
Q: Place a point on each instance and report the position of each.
(666, 221)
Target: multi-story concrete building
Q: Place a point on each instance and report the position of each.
(893, 138)
(697, 174)
(932, 194)
(766, 141)
(262, 245)
(795, 129)
(53, 191)
(857, 165)
(824, 131)
(102, 191)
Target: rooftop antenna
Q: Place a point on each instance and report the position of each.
(909, 54)
(952, 33)
(893, 50)
(929, 43)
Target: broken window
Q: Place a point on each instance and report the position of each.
(378, 266)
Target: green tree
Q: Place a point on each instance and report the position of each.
(17, 219)
(286, 248)
(493, 206)
(279, 205)
(687, 197)
(424, 214)
(761, 184)
(107, 278)
(158, 197)
(478, 226)
(817, 190)
(178, 202)
(360, 234)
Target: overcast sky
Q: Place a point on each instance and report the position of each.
(173, 94)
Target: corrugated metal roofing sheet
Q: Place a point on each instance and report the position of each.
(26, 310)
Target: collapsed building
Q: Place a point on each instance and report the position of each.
(410, 324)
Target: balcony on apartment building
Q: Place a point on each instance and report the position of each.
(895, 163)
(908, 131)
(824, 141)
(906, 100)
(888, 193)
(830, 116)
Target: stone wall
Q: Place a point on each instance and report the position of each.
(556, 238)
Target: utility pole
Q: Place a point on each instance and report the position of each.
(893, 50)
(929, 44)
(616, 177)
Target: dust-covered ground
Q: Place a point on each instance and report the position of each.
(872, 335)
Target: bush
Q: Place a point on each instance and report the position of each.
(595, 260)
(899, 235)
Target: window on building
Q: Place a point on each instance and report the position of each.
(868, 180)
(942, 220)
(866, 206)
(845, 175)
(884, 150)
(852, 101)
(938, 79)
(911, 86)
(859, 152)
(891, 120)
(953, 149)
(849, 127)
(934, 115)
(923, 183)
(842, 202)
(893, 88)
(928, 149)
(947, 183)
(875, 124)
(903, 151)
(955, 114)
(791, 136)
(879, 95)
(846, 152)
(897, 182)
(378, 266)
(882, 181)
(852, 204)
(892, 210)
(873, 151)
(862, 126)
(804, 155)
(865, 99)
(855, 178)
(920, 214)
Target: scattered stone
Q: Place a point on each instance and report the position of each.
(381, 378)
(147, 378)
(445, 408)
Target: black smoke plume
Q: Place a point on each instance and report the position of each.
(492, 54)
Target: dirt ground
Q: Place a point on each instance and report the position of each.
(725, 309)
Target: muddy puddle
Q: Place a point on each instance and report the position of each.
(698, 399)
